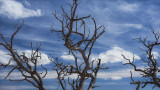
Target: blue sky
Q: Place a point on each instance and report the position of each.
(124, 20)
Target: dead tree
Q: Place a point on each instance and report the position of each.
(79, 41)
(26, 66)
(151, 71)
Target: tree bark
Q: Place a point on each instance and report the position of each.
(42, 88)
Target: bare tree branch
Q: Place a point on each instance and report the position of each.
(81, 42)
(149, 73)
(27, 66)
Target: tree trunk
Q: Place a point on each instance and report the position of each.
(42, 88)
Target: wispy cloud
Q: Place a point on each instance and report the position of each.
(112, 83)
(16, 10)
(137, 26)
(27, 3)
(114, 55)
(120, 28)
(128, 7)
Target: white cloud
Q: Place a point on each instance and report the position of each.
(112, 83)
(24, 87)
(155, 54)
(43, 60)
(128, 7)
(13, 75)
(118, 74)
(16, 10)
(120, 28)
(65, 56)
(5, 58)
(114, 75)
(137, 26)
(17, 75)
(115, 28)
(16, 87)
(115, 55)
(51, 75)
